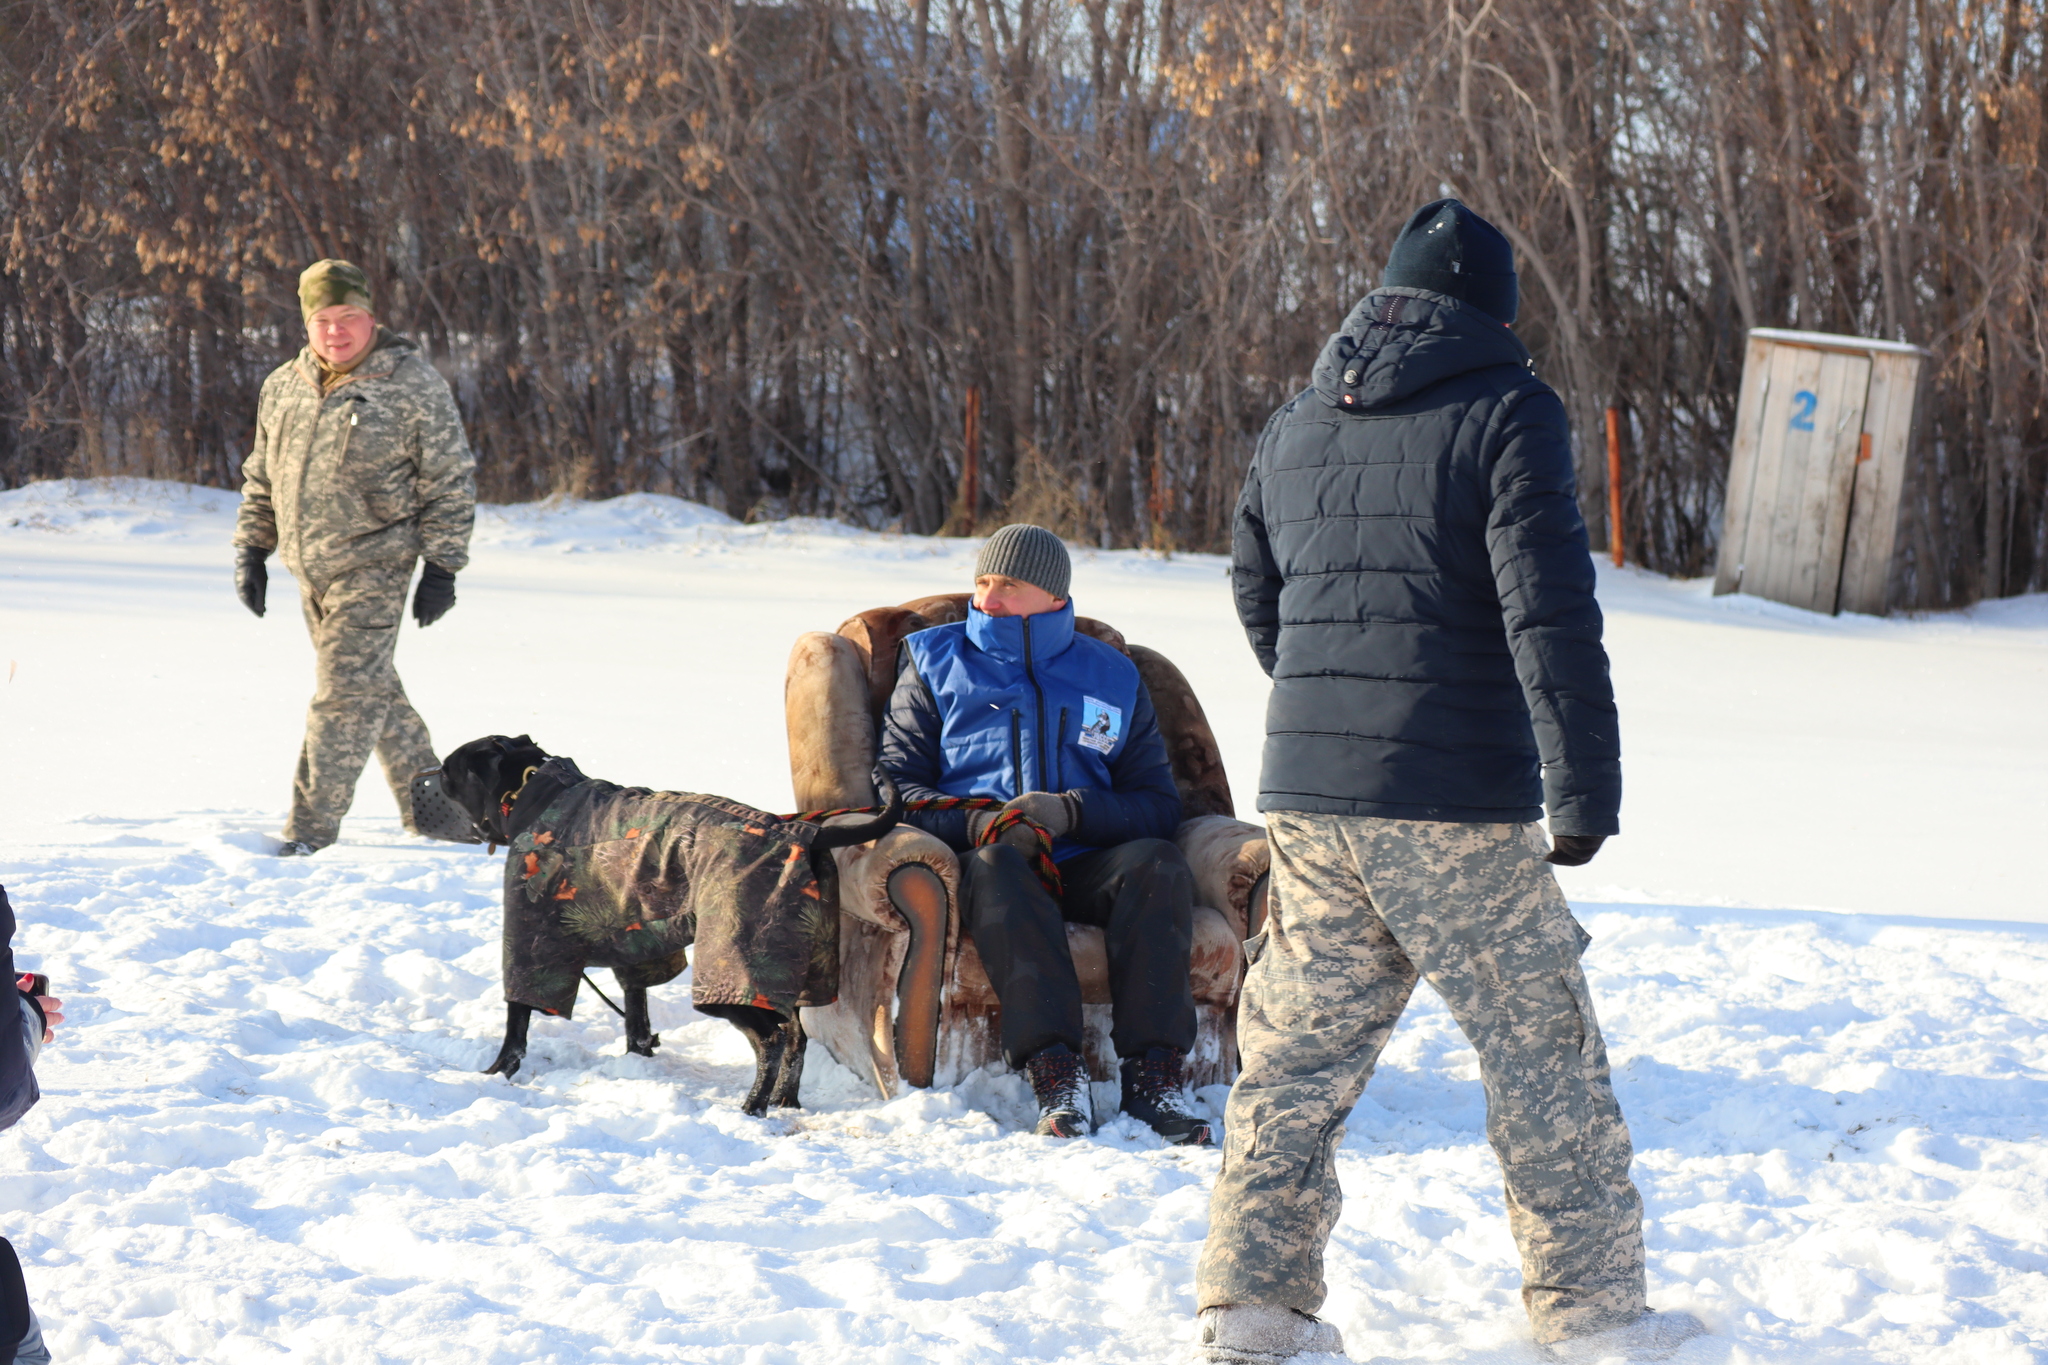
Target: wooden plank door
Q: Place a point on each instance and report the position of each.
(1806, 465)
(1737, 505)
(1823, 503)
(1792, 369)
(1888, 417)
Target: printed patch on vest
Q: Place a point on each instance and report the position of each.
(1102, 725)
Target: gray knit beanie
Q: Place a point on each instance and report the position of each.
(1029, 554)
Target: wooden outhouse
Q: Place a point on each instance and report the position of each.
(1823, 439)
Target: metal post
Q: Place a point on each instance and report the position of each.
(1614, 545)
(970, 462)
(1155, 500)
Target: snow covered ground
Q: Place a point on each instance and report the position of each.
(264, 1138)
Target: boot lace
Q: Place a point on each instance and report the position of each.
(1056, 1079)
(1158, 1082)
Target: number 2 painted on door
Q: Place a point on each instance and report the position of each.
(1803, 404)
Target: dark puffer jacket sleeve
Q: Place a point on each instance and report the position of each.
(1544, 575)
(910, 753)
(1255, 576)
(18, 1045)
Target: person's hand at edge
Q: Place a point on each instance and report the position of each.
(48, 1006)
(435, 594)
(252, 577)
(1574, 850)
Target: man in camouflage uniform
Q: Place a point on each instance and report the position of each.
(1412, 571)
(360, 467)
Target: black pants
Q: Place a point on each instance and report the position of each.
(1140, 894)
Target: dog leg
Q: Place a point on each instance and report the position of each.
(770, 1040)
(640, 1034)
(790, 1075)
(514, 1051)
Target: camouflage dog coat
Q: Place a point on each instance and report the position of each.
(627, 878)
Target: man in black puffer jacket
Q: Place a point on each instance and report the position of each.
(1412, 570)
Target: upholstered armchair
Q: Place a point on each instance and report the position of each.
(914, 1004)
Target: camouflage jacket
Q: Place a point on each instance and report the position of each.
(626, 878)
(375, 471)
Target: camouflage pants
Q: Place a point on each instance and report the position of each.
(1360, 907)
(358, 703)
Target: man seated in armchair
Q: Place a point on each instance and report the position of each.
(1013, 704)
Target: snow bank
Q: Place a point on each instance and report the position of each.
(118, 508)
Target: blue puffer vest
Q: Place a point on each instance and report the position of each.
(1025, 703)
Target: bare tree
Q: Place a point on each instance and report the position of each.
(757, 254)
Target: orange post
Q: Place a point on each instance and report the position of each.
(1614, 546)
(1155, 502)
(970, 462)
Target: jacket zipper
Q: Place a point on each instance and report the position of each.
(1039, 733)
(346, 432)
(341, 458)
(1059, 752)
(1017, 747)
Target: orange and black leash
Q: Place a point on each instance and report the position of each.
(1041, 858)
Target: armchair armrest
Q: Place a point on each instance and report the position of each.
(905, 883)
(1230, 859)
(867, 870)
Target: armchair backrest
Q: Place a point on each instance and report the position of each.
(839, 687)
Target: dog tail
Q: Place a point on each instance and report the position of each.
(845, 836)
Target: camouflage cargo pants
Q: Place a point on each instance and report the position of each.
(358, 703)
(1360, 907)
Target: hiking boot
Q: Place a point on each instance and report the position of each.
(1152, 1095)
(1653, 1336)
(296, 848)
(1262, 1333)
(1060, 1080)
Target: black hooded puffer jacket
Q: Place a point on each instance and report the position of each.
(1411, 567)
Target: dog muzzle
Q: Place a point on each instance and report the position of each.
(435, 814)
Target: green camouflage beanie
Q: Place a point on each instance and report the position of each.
(324, 284)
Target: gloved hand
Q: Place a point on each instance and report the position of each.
(1058, 812)
(252, 579)
(1574, 850)
(435, 594)
(1054, 811)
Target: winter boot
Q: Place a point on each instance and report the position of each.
(1060, 1080)
(1152, 1096)
(1262, 1333)
(1653, 1336)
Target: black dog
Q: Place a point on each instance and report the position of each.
(600, 875)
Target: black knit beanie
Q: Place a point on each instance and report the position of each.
(1029, 554)
(1448, 248)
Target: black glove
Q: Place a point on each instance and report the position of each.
(252, 579)
(1574, 850)
(435, 594)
